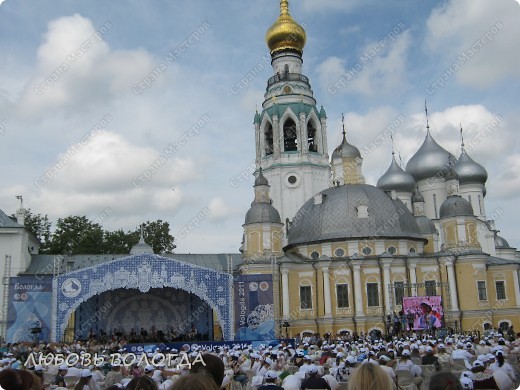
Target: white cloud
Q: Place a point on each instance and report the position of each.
(370, 133)
(506, 184)
(380, 68)
(76, 67)
(327, 5)
(219, 210)
(485, 31)
(107, 162)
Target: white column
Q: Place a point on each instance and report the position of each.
(517, 288)
(358, 291)
(326, 291)
(413, 278)
(277, 138)
(285, 293)
(453, 285)
(385, 284)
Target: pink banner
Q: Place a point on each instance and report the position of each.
(427, 312)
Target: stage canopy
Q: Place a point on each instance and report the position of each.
(142, 272)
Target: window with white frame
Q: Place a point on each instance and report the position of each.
(342, 295)
(305, 297)
(500, 286)
(372, 294)
(398, 292)
(482, 293)
(429, 287)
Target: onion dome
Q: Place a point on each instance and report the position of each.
(285, 33)
(426, 225)
(353, 211)
(429, 161)
(141, 248)
(262, 213)
(261, 210)
(455, 206)
(417, 196)
(501, 243)
(260, 179)
(451, 173)
(395, 178)
(469, 171)
(345, 149)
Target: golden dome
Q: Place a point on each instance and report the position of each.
(285, 33)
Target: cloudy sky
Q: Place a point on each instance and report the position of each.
(127, 111)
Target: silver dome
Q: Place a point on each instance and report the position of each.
(426, 225)
(335, 217)
(141, 248)
(455, 206)
(345, 150)
(395, 178)
(260, 179)
(429, 161)
(262, 213)
(501, 243)
(469, 171)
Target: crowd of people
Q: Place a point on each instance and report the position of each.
(415, 361)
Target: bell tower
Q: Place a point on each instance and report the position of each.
(291, 132)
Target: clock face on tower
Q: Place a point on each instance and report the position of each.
(287, 90)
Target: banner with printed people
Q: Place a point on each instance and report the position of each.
(426, 312)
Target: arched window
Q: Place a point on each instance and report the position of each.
(269, 148)
(290, 138)
(311, 137)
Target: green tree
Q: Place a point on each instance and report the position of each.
(157, 235)
(118, 242)
(77, 235)
(40, 226)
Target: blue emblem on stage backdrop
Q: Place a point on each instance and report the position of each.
(142, 273)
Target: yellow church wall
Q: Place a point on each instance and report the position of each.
(502, 273)
(427, 271)
(466, 285)
(314, 248)
(471, 233)
(254, 241)
(350, 170)
(276, 240)
(371, 273)
(393, 243)
(341, 245)
(428, 247)
(450, 233)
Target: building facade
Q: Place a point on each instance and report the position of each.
(341, 254)
(348, 251)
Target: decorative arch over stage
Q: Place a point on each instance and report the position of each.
(142, 272)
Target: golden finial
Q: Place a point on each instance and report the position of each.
(284, 7)
(285, 33)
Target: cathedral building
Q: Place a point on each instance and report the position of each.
(322, 250)
(345, 252)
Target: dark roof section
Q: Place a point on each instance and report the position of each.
(6, 222)
(335, 216)
(45, 264)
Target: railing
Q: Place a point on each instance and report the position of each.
(277, 78)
